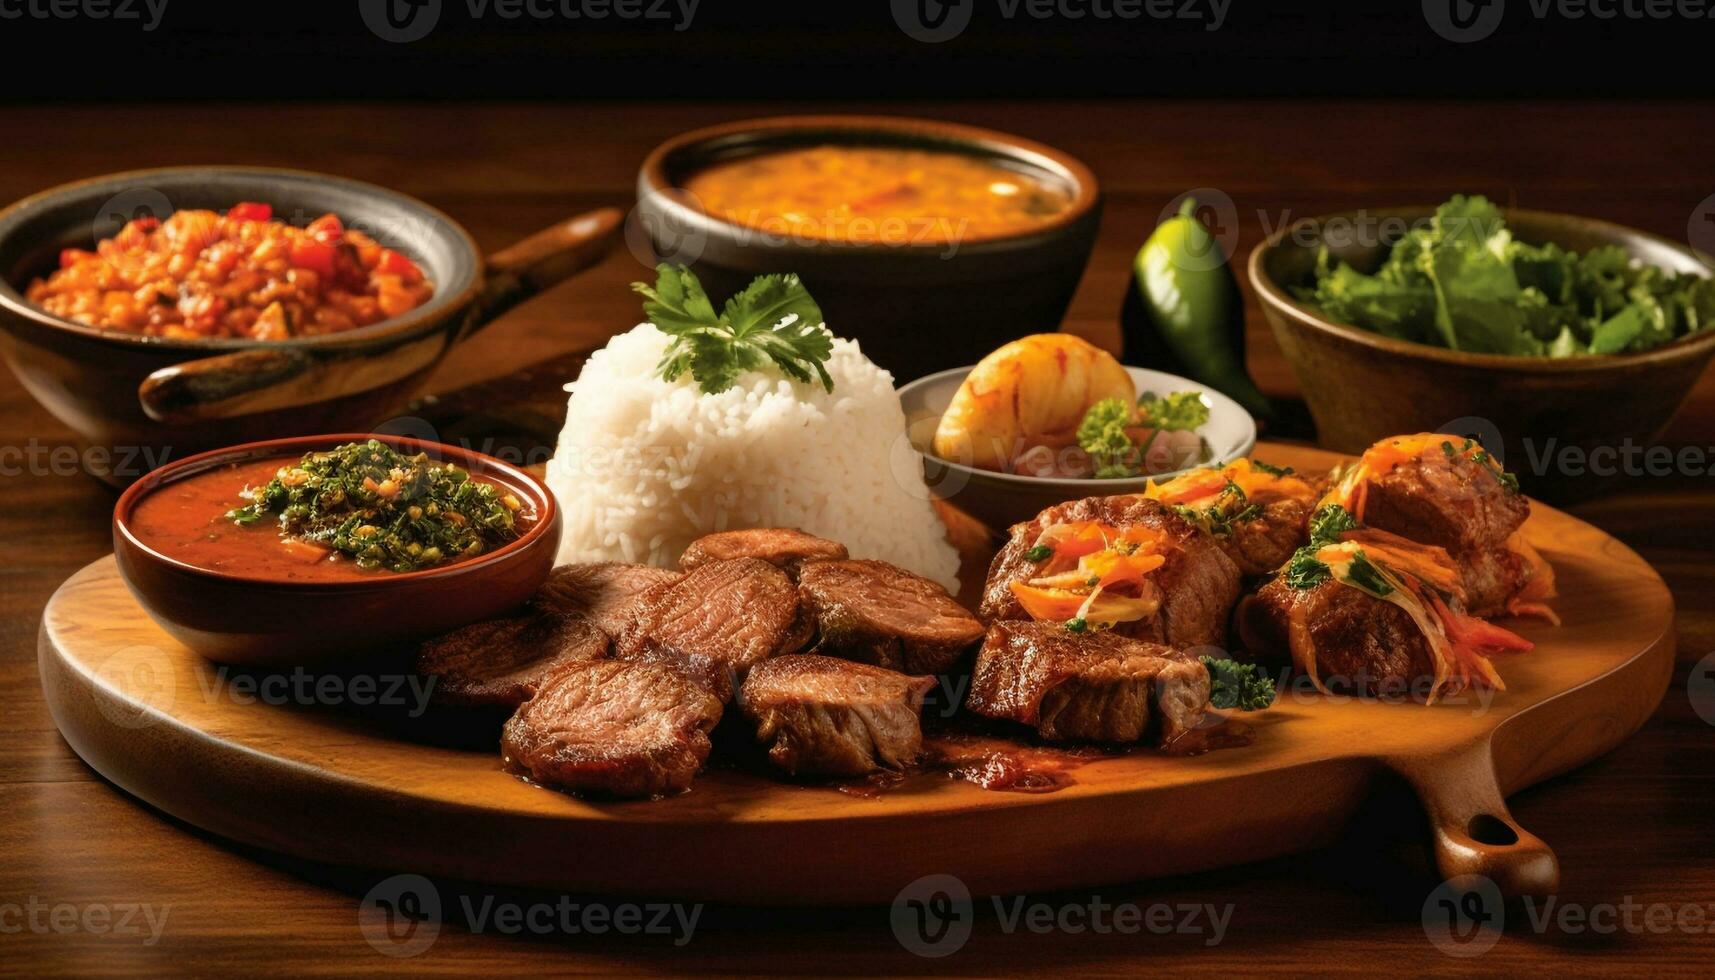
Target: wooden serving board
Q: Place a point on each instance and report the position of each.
(380, 790)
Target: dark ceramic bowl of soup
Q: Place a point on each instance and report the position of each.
(254, 596)
(931, 243)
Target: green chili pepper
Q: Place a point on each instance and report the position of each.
(1183, 312)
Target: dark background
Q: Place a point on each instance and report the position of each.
(839, 49)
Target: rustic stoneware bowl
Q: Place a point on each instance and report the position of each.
(145, 398)
(916, 307)
(1564, 425)
(262, 622)
(1003, 499)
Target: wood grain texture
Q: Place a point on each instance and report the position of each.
(189, 737)
(1632, 824)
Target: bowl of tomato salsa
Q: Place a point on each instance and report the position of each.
(300, 551)
(188, 308)
(931, 243)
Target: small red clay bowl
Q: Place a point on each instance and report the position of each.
(264, 622)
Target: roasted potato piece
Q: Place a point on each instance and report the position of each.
(1030, 393)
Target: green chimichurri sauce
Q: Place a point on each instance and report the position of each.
(383, 509)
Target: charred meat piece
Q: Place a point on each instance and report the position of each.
(502, 662)
(1258, 514)
(601, 592)
(782, 546)
(1347, 639)
(1196, 587)
(1450, 493)
(1456, 500)
(1098, 687)
(877, 613)
(614, 728)
(1264, 543)
(1491, 577)
(822, 716)
(718, 621)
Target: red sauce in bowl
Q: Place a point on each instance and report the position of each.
(185, 520)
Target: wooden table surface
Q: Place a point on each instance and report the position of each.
(78, 857)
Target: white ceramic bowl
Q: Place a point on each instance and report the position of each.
(1003, 499)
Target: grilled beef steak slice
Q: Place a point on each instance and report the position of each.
(783, 546)
(1452, 501)
(718, 621)
(614, 728)
(822, 716)
(1361, 643)
(601, 592)
(1098, 687)
(1199, 584)
(1264, 543)
(877, 613)
(501, 662)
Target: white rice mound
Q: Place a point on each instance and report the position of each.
(645, 466)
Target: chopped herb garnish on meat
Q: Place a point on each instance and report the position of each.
(1231, 506)
(1039, 553)
(1304, 570)
(383, 509)
(1076, 626)
(1327, 524)
(1364, 575)
(1241, 686)
(774, 321)
(1257, 464)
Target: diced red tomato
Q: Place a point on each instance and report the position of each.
(392, 263)
(316, 256)
(250, 211)
(326, 228)
(70, 257)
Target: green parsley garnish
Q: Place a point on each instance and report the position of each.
(1230, 507)
(1304, 570)
(1327, 524)
(383, 509)
(1235, 685)
(1257, 464)
(1365, 576)
(1076, 625)
(773, 321)
(1039, 553)
(1181, 411)
(1103, 435)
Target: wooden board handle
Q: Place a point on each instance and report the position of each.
(1474, 834)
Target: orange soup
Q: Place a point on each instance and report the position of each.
(877, 194)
